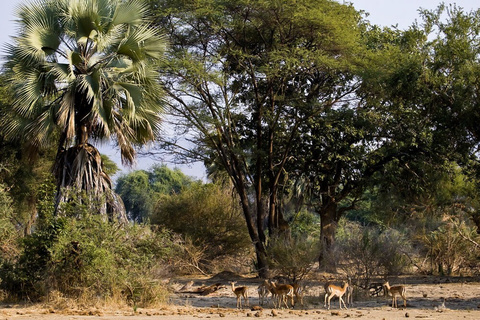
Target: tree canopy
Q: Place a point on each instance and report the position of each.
(141, 189)
(244, 76)
(307, 98)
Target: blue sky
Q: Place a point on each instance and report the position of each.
(381, 12)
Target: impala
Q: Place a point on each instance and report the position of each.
(240, 292)
(332, 290)
(263, 291)
(298, 291)
(349, 295)
(282, 292)
(396, 290)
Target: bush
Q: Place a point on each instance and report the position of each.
(8, 233)
(292, 257)
(448, 246)
(95, 258)
(25, 278)
(84, 256)
(24, 261)
(209, 219)
(370, 251)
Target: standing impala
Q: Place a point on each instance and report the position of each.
(396, 290)
(263, 291)
(298, 291)
(282, 292)
(240, 292)
(332, 290)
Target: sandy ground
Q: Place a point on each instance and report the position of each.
(425, 297)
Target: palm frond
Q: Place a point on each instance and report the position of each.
(40, 27)
(66, 114)
(130, 12)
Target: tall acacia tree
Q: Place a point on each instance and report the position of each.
(418, 113)
(244, 76)
(381, 126)
(84, 71)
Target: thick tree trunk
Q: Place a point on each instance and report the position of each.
(262, 263)
(328, 227)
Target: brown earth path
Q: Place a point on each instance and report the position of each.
(425, 297)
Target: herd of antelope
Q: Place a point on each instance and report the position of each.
(282, 294)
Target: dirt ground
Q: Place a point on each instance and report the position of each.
(428, 298)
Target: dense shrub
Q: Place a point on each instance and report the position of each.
(8, 234)
(209, 219)
(25, 277)
(450, 246)
(9, 237)
(366, 251)
(85, 256)
(292, 256)
(93, 257)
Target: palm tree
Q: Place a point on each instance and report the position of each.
(84, 71)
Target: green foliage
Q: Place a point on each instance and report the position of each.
(81, 255)
(6, 209)
(95, 258)
(26, 277)
(305, 222)
(449, 86)
(401, 196)
(109, 166)
(164, 180)
(137, 195)
(140, 189)
(46, 202)
(8, 234)
(208, 215)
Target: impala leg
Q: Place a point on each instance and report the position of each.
(329, 298)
